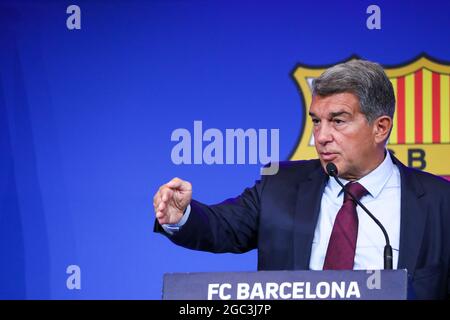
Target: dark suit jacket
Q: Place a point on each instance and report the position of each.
(278, 216)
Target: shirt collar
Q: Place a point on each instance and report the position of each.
(374, 182)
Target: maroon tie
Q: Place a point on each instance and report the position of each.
(342, 245)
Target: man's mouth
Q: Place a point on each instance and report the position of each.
(328, 156)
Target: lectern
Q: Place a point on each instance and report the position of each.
(287, 285)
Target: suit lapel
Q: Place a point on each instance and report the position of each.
(413, 218)
(309, 196)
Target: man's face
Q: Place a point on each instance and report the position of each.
(343, 135)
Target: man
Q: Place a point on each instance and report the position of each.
(301, 219)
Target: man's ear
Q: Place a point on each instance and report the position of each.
(382, 128)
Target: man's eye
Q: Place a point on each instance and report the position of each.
(315, 121)
(338, 121)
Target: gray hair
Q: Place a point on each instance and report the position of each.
(367, 80)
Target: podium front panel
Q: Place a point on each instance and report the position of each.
(287, 285)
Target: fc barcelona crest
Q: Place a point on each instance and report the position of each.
(421, 133)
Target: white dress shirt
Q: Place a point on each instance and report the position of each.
(383, 201)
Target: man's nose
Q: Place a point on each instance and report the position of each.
(323, 134)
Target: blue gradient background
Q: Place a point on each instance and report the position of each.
(86, 118)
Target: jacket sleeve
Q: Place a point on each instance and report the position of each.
(230, 226)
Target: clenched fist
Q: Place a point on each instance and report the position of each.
(171, 200)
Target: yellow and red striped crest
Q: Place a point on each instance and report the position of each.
(421, 133)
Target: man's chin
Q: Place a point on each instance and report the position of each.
(326, 162)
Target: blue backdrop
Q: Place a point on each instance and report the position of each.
(86, 118)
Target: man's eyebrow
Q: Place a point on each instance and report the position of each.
(332, 114)
(337, 114)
